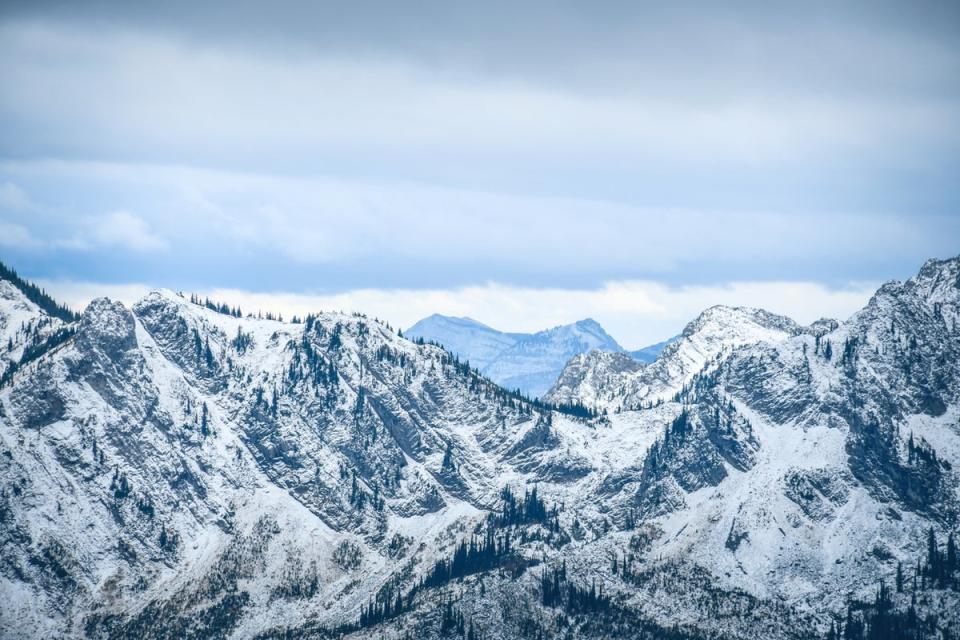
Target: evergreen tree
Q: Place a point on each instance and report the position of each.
(38, 296)
(933, 555)
(951, 557)
(204, 421)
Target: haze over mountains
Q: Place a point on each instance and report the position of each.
(530, 362)
(177, 469)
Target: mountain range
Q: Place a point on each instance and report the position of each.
(178, 469)
(612, 381)
(529, 362)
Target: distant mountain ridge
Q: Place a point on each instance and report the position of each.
(651, 353)
(529, 362)
(469, 339)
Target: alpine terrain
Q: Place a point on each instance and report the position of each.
(178, 469)
(529, 362)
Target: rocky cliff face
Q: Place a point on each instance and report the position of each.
(171, 471)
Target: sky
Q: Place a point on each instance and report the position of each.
(525, 164)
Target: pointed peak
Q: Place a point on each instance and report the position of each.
(723, 316)
(165, 294)
(165, 297)
(589, 323)
(935, 269)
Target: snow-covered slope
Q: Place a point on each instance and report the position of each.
(171, 449)
(609, 384)
(170, 471)
(528, 362)
(23, 327)
(804, 464)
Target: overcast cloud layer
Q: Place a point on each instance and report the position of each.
(470, 158)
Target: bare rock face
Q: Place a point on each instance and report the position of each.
(107, 328)
(106, 354)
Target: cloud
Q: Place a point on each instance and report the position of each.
(77, 295)
(636, 313)
(120, 230)
(13, 198)
(268, 232)
(16, 236)
(541, 146)
(234, 104)
(699, 49)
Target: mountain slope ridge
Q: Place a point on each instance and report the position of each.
(171, 469)
(603, 384)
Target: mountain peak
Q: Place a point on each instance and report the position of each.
(719, 328)
(439, 319)
(467, 338)
(585, 327)
(939, 265)
(161, 294)
(938, 279)
(530, 362)
(589, 323)
(726, 318)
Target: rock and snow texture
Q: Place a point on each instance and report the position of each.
(528, 362)
(611, 384)
(22, 325)
(168, 450)
(827, 455)
(169, 471)
(591, 378)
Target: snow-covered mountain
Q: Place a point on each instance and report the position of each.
(612, 384)
(172, 471)
(595, 379)
(29, 319)
(529, 362)
(468, 339)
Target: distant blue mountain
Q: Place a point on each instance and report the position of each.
(469, 339)
(530, 362)
(649, 354)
